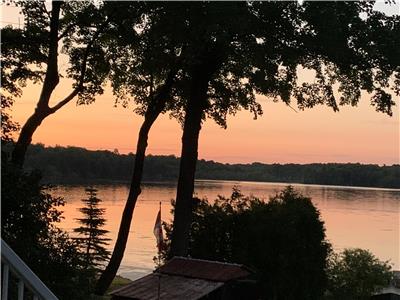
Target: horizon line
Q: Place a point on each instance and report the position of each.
(110, 149)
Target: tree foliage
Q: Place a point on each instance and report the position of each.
(29, 214)
(91, 240)
(26, 51)
(240, 49)
(33, 54)
(356, 274)
(264, 46)
(282, 239)
(16, 71)
(76, 165)
(8, 126)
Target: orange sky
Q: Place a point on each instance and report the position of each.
(355, 134)
(280, 136)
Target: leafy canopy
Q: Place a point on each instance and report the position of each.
(261, 48)
(356, 274)
(25, 51)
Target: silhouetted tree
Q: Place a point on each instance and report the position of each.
(14, 72)
(282, 240)
(151, 62)
(32, 53)
(259, 47)
(356, 274)
(29, 214)
(91, 239)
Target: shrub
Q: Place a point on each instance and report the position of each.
(356, 274)
(29, 214)
(282, 239)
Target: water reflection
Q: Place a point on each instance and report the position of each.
(354, 217)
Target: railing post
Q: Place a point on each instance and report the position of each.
(14, 264)
(4, 288)
(20, 289)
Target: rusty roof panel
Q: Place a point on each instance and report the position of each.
(171, 287)
(204, 269)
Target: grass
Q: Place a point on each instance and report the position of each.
(118, 282)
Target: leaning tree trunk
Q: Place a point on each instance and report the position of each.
(25, 137)
(151, 115)
(50, 82)
(184, 196)
(111, 270)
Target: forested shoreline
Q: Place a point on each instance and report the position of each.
(74, 165)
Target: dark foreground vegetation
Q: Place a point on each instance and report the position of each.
(283, 241)
(193, 61)
(79, 165)
(68, 265)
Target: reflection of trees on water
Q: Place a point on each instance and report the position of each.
(376, 209)
(165, 191)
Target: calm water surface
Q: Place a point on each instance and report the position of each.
(354, 217)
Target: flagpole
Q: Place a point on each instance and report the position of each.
(159, 265)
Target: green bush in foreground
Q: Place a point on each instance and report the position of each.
(29, 214)
(282, 240)
(356, 274)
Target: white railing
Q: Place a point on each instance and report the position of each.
(26, 278)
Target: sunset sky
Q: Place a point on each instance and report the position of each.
(355, 134)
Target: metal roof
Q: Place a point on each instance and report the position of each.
(171, 288)
(182, 278)
(204, 269)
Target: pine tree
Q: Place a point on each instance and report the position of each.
(92, 240)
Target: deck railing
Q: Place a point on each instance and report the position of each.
(13, 264)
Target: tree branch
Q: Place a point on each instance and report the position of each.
(81, 80)
(65, 100)
(66, 30)
(52, 77)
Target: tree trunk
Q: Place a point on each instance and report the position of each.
(184, 196)
(111, 270)
(50, 82)
(208, 64)
(25, 137)
(152, 113)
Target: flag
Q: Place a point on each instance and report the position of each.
(158, 231)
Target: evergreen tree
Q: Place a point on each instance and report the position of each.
(29, 217)
(92, 240)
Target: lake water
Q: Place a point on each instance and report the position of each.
(354, 217)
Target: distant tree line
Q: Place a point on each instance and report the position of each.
(78, 165)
